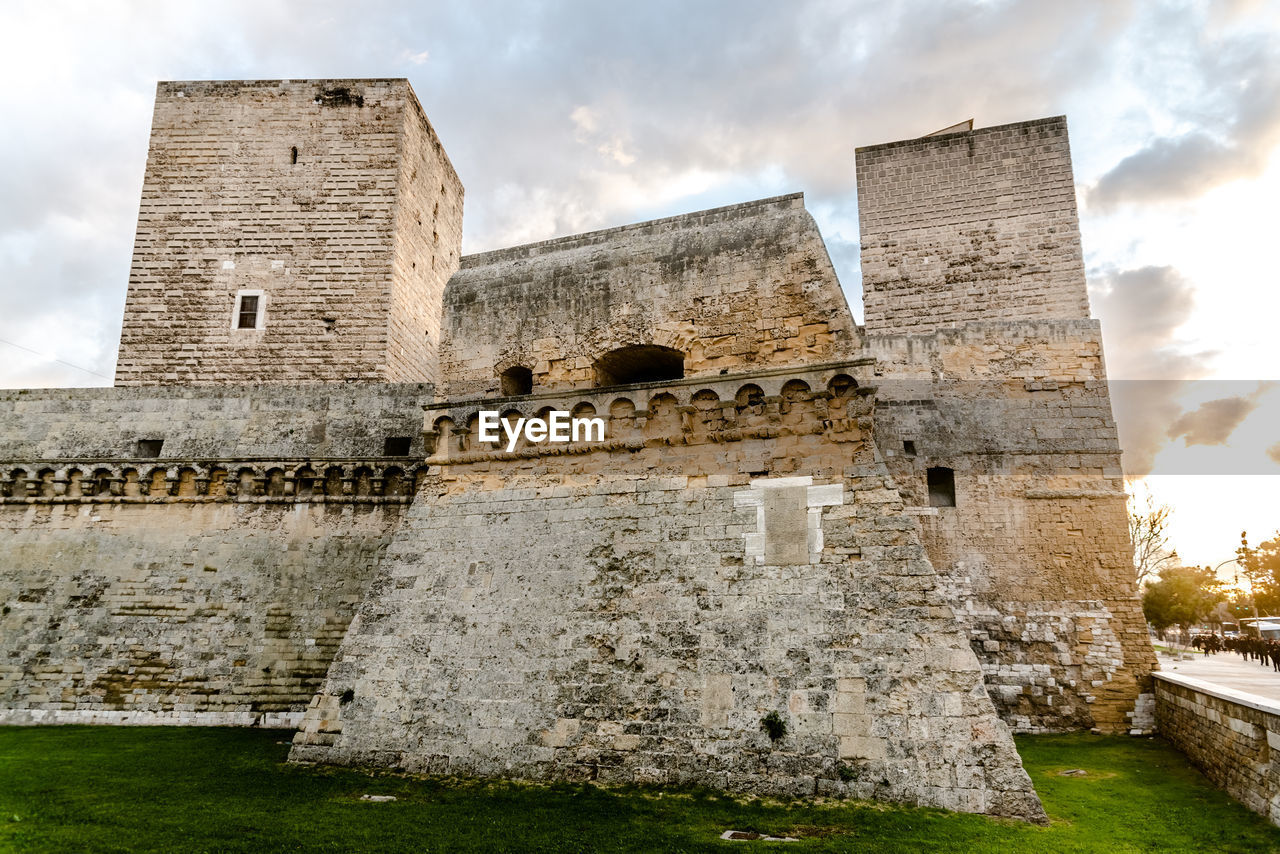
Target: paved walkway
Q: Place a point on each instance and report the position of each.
(1228, 670)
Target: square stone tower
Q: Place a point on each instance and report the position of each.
(974, 225)
(290, 232)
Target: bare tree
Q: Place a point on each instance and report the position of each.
(1148, 529)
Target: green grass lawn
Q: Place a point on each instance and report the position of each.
(72, 789)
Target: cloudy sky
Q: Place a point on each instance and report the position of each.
(567, 116)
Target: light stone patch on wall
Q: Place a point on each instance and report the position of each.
(788, 518)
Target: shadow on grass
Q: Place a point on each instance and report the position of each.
(119, 789)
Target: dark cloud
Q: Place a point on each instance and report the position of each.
(1234, 127)
(1215, 420)
(1141, 312)
(1143, 410)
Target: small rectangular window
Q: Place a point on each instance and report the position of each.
(397, 446)
(248, 316)
(150, 448)
(942, 487)
(909, 448)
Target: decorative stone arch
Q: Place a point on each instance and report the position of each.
(305, 480)
(842, 385)
(795, 390)
(797, 402)
(333, 478)
(17, 486)
(99, 483)
(705, 399)
(362, 481)
(73, 484)
(246, 483)
(664, 415)
(394, 482)
(469, 438)
(749, 397)
(132, 483)
(217, 482)
(186, 482)
(706, 405)
(439, 440)
(510, 417)
(639, 363)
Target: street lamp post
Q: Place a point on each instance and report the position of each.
(1253, 598)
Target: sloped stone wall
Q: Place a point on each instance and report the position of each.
(633, 613)
(734, 288)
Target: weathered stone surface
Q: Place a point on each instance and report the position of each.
(1035, 551)
(978, 225)
(177, 612)
(334, 198)
(747, 285)
(612, 615)
(340, 421)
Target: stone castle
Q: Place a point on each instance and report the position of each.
(901, 540)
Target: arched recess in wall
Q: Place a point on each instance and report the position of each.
(639, 363)
(516, 380)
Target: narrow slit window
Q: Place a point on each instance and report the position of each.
(293, 155)
(942, 487)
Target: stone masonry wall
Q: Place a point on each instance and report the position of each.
(427, 250)
(745, 286)
(1035, 552)
(312, 192)
(64, 426)
(978, 225)
(631, 611)
(174, 610)
(1233, 737)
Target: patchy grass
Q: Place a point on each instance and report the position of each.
(117, 789)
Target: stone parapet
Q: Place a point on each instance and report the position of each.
(759, 404)
(264, 481)
(1232, 736)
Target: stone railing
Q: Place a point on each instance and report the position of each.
(378, 480)
(1232, 736)
(757, 404)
